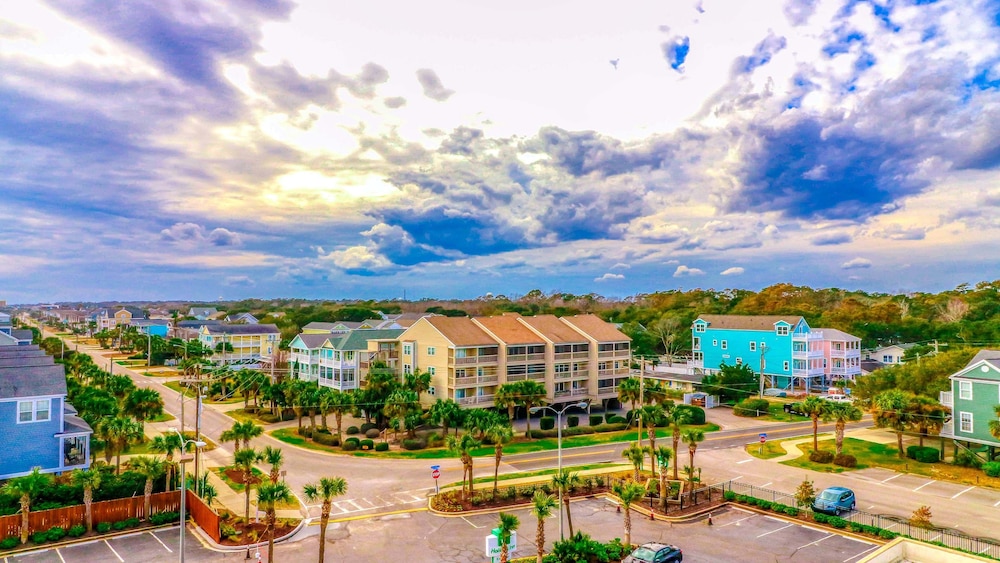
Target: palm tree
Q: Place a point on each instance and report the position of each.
(507, 397)
(167, 444)
(565, 482)
(448, 414)
(275, 458)
(499, 434)
(241, 432)
(244, 460)
(268, 496)
(815, 408)
(995, 424)
(676, 417)
(928, 415)
(117, 433)
(627, 493)
(542, 506)
(508, 524)
(691, 437)
(152, 469)
(142, 405)
(629, 391)
(532, 395)
(339, 402)
(636, 454)
(90, 480)
(417, 382)
(663, 455)
(26, 488)
(842, 413)
(400, 405)
(325, 490)
(889, 410)
(655, 392)
(463, 447)
(651, 416)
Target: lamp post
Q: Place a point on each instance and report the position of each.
(559, 413)
(184, 445)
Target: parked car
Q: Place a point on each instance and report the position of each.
(838, 398)
(835, 500)
(794, 408)
(655, 553)
(775, 392)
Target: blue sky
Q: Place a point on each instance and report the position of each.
(194, 150)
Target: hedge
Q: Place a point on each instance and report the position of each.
(547, 423)
(845, 460)
(579, 430)
(382, 447)
(992, 468)
(372, 433)
(696, 415)
(411, 444)
(350, 446)
(923, 454)
(751, 407)
(353, 430)
(326, 439)
(368, 426)
(596, 419)
(367, 444)
(821, 456)
(573, 421)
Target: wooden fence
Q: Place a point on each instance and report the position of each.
(203, 515)
(104, 511)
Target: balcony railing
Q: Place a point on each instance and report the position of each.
(607, 391)
(948, 429)
(563, 393)
(475, 400)
(564, 375)
(472, 381)
(515, 358)
(945, 398)
(516, 377)
(580, 391)
(807, 354)
(808, 372)
(613, 354)
(472, 360)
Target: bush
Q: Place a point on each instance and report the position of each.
(10, 543)
(76, 531)
(367, 444)
(352, 430)
(820, 517)
(887, 534)
(413, 444)
(164, 518)
(729, 495)
(366, 427)
(372, 433)
(547, 423)
(791, 511)
(968, 459)
(992, 468)
(821, 456)
(353, 439)
(610, 427)
(845, 460)
(596, 419)
(326, 439)
(227, 531)
(572, 421)
(40, 537)
(350, 446)
(751, 407)
(609, 417)
(56, 533)
(928, 455)
(696, 415)
(382, 447)
(306, 431)
(103, 527)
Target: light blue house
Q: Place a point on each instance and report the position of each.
(38, 427)
(152, 327)
(784, 349)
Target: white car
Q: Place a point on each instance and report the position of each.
(838, 398)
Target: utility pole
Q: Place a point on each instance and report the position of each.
(197, 436)
(763, 348)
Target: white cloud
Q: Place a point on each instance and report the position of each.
(734, 271)
(683, 271)
(856, 263)
(358, 258)
(620, 266)
(609, 276)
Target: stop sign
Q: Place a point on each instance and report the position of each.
(435, 473)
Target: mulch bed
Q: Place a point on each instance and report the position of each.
(236, 476)
(282, 528)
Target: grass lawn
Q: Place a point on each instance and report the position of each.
(176, 386)
(164, 417)
(290, 436)
(770, 450)
(236, 487)
(776, 413)
(611, 467)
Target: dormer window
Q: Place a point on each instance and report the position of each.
(699, 327)
(782, 330)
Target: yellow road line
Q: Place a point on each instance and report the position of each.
(367, 516)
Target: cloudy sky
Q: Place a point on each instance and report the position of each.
(187, 149)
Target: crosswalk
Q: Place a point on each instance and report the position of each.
(389, 500)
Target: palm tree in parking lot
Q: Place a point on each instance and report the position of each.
(627, 493)
(542, 506)
(508, 524)
(565, 482)
(26, 488)
(269, 495)
(90, 480)
(325, 490)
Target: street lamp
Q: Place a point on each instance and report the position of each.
(184, 445)
(559, 413)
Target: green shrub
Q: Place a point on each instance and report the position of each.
(227, 531)
(367, 444)
(352, 430)
(508, 493)
(845, 460)
(992, 468)
(40, 537)
(596, 419)
(372, 433)
(118, 526)
(887, 534)
(572, 420)
(326, 439)
(696, 415)
(968, 459)
(164, 518)
(928, 455)
(821, 456)
(10, 543)
(751, 407)
(368, 426)
(350, 446)
(382, 447)
(353, 439)
(103, 527)
(56, 533)
(791, 511)
(609, 417)
(76, 531)
(547, 423)
(911, 451)
(837, 522)
(729, 495)
(610, 427)
(306, 431)
(820, 517)
(413, 444)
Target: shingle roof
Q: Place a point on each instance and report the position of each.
(554, 329)
(461, 331)
(313, 341)
(32, 381)
(358, 339)
(749, 322)
(991, 356)
(597, 328)
(21, 351)
(509, 330)
(834, 334)
(13, 361)
(197, 324)
(75, 425)
(242, 329)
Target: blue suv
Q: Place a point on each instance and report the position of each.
(834, 501)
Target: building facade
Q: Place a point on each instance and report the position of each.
(240, 344)
(974, 396)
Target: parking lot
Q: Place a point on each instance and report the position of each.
(146, 547)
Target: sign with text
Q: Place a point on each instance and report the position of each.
(493, 545)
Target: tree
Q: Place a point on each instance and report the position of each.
(651, 416)
(995, 424)
(167, 444)
(417, 382)
(733, 383)
(889, 410)
(26, 488)
(241, 433)
(324, 491)
(928, 415)
(90, 481)
(663, 455)
(244, 460)
(564, 482)
(630, 390)
(142, 405)
(119, 386)
(542, 505)
(399, 406)
(815, 408)
(676, 417)
(636, 454)
(507, 397)
(805, 495)
(507, 525)
(499, 434)
(269, 495)
(672, 334)
(627, 493)
(691, 437)
(921, 518)
(448, 414)
(656, 392)
(152, 469)
(275, 458)
(842, 413)
(463, 446)
(117, 433)
(532, 395)
(339, 403)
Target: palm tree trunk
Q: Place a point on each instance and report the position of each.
(651, 433)
(324, 519)
(676, 439)
(628, 527)
(270, 538)
(340, 417)
(540, 540)
(503, 553)
(496, 468)
(246, 491)
(25, 509)
(815, 433)
(88, 501)
(899, 443)
(839, 437)
(147, 493)
(663, 491)
(569, 519)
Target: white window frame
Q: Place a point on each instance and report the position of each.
(785, 364)
(715, 342)
(697, 343)
(963, 419)
(753, 346)
(781, 330)
(965, 390)
(431, 371)
(34, 410)
(431, 351)
(699, 328)
(725, 344)
(407, 350)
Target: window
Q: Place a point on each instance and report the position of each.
(965, 390)
(407, 350)
(431, 390)
(965, 422)
(562, 368)
(715, 342)
(407, 368)
(697, 343)
(430, 350)
(887, 359)
(431, 371)
(699, 328)
(753, 346)
(725, 345)
(782, 331)
(34, 411)
(739, 361)
(785, 366)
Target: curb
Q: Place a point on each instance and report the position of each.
(211, 544)
(808, 523)
(79, 541)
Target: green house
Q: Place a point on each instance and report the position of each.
(975, 392)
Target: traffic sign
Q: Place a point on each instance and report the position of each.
(435, 473)
(763, 437)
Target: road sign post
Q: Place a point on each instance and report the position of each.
(436, 474)
(763, 438)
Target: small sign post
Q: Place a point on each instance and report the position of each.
(763, 438)
(436, 474)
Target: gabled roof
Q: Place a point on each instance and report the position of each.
(13, 361)
(834, 334)
(985, 358)
(150, 322)
(32, 381)
(338, 325)
(461, 331)
(555, 330)
(197, 324)
(21, 351)
(749, 322)
(509, 330)
(76, 425)
(310, 341)
(358, 339)
(597, 328)
(241, 329)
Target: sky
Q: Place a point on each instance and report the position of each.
(201, 150)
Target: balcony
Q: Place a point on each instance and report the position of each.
(845, 353)
(564, 374)
(945, 399)
(473, 360)
(807, 354)
(948, 429)
(579, 392)
(516, 358)
(477, 400)
(473, 381)
(808, 372)
(603, 392)
(537, 376)
(623, 354)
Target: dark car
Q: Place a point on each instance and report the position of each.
(794, 408)
(655, 553)
(834, 501)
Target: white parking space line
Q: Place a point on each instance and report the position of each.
(862, 554)
(113, 551)
(744, 461)
(924, 485)
(887, 479)
(471, 524)
(60, 556)
(773, 531)
(997, 503)
(767, 484)
(817, 541)
(161, 542)
(736, 478)
(737, 522)
(960, 493)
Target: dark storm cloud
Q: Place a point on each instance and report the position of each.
(433, 88)
(585, 152)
